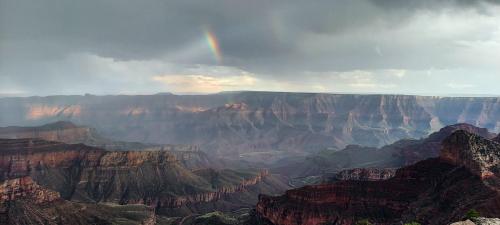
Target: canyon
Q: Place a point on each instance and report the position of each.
(66, 132)
(232, 123)
(70, 133)
(434, 191)
(401, 153)
(154, 178)
(173, 159)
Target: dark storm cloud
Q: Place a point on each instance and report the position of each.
(64, 42)
(248, 30)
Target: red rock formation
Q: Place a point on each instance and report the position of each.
(23, 202)
(86, 174)
(25, 187)
(20, 156)
(481, 158)
(434, 191)
(178, 201)
(431, 146)
(401, 153)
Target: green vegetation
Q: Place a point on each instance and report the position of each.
(363, 222)
(472, 214)
(412, 223)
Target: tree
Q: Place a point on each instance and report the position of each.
(412, 223)
(472, 214)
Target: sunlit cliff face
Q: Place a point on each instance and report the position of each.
(36, 112)
(135, 111)
(193, 109)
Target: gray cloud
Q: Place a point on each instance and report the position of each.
(44, 40)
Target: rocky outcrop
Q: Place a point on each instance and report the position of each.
(486, 221)
(401, 153)
(24, 202)
(368, 174)
(228, 124)
(479, 221)
(431, 146)
(22, 157)
(219, 193)
(466, 222)
(88, 174)
(190, 156)
(434, 191)
(25, 187)
(469, 150)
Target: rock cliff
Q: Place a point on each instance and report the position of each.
(480, 157)
(25, 187)
(24, 202)
(228, 124)
(189, 155)
(433, 191)
(431, 146)
(479, 221)
(398, 154)
(68, 132)
(61, 131)
(87, 174)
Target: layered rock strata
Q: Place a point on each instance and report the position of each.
(228, 124)
(88, 174)
(433, 191)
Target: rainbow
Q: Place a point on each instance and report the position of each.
(213, 43)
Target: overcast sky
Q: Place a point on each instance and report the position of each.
(428, 47)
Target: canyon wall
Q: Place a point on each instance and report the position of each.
(88, 174)
(399, 154)
(24, 202)
(433, 191)
(70, 133)
(228, 124)
(25, 187)
(60, 131)
(217, 194)
(479, 157)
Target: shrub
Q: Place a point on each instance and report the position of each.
(412, 223)
(472, 214)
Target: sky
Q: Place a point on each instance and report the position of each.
(425, 47)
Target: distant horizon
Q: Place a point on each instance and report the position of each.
(257, 91)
